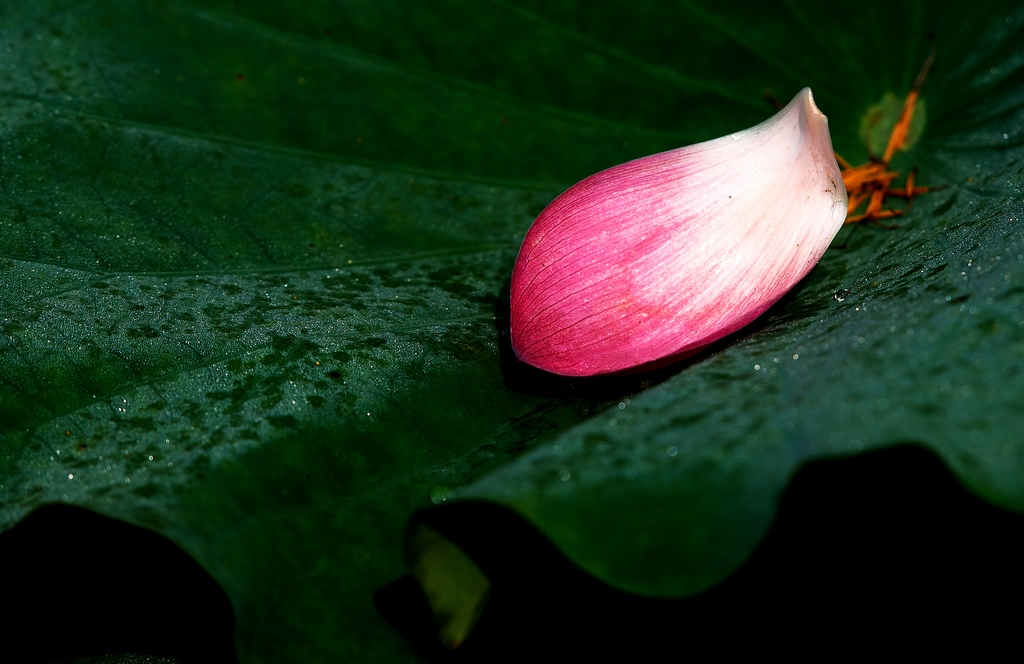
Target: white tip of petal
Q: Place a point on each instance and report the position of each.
(806, 97)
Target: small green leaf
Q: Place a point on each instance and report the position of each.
(454, 586)
(878, 121)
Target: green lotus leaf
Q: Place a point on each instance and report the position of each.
(254, 256)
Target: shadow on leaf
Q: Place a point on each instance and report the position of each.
(78, 584)
(881, 549)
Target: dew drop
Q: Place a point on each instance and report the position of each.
(672, 451)
(841, 294)
(564, 475)
(440, 494)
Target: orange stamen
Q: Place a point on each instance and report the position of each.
(872, 181)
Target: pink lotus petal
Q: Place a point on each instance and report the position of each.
(659, 257)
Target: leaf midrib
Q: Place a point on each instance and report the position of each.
(444, 252)
(302, 153)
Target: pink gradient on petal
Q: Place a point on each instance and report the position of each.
(661, 256)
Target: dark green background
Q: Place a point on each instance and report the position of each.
(252, 256)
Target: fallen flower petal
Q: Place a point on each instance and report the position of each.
(652, 260)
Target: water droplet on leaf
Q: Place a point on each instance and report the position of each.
(440, 494)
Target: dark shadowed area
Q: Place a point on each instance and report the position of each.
(78, 584)
(880, 551)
